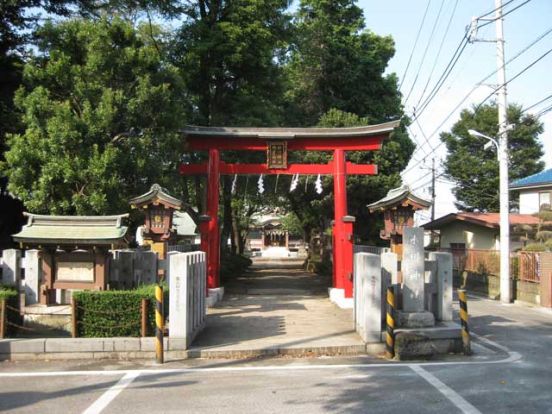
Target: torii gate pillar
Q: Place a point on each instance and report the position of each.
(343, 228)
(210, 239)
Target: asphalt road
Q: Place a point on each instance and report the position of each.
(509, 373)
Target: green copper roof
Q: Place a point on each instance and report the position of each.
(72, 230)
(396, 196)
(154, 195)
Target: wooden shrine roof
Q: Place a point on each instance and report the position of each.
(399, 196)
(156, 195)
(290, 133)
(72, 230)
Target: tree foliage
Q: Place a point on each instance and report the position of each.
(336, 64)
(228, 52)
(474, 169)
(103, 98)
(101, 115)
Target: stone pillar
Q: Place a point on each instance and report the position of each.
(413, 269)
(367, 296)
(444, 285)
(389, 268)
(178, 295)
(32, 277)
(125, 264)
(413, 314)
(11, 267)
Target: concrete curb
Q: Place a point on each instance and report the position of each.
(85, 348)
(42, 349)
(345, 350)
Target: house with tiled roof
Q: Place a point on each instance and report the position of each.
(479, 231)
(535, 192)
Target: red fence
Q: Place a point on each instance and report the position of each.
(523, 265)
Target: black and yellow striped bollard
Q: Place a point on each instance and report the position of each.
(159, 324)
(464, 321)
(390, 322)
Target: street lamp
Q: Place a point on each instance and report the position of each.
(502, 153)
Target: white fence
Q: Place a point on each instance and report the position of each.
(22, 269)
(367, 296)
(187, 290)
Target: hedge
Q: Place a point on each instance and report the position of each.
(115, 313)
(10, 295)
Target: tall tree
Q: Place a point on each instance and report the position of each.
(475, 169)
(101, 117)
(229, 54)
(337, 64)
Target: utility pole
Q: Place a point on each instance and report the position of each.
(433, 189)
(505, 289)
(503, 127)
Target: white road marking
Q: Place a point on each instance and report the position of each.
(444, 389)
(99, 405)
(489, 342)
(512, 357)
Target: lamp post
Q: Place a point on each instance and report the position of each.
(502, 153)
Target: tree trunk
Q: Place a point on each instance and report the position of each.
(227, 212)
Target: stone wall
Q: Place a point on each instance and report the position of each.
(489, 285)
(527, 292)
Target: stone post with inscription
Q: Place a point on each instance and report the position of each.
(413, 313)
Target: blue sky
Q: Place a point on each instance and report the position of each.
(401, 19)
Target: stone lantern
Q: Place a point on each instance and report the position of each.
(158, 207)
(398, 208)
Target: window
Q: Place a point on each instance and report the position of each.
(544, 200)
(458, 246)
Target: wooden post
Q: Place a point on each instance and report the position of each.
(3, 318)
(73, 317)
(144, 318)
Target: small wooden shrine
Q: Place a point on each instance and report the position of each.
(74, 251)
(398, 208)
(158, 207)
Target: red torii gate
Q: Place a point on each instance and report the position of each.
(276, 142)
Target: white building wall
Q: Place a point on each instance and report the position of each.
(473, 236)
(528, 202)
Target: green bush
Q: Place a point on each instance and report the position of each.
(535, 247)
(113, 313)
(10, 295)
(7, 292)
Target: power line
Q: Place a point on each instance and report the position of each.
(544, 111)
(495, 9)
(415, 44)
(438, 52)
(538, 103)
(504, 14)
(425, 50)
(447, 72)
(518, 54)
(415, 140)
(515, 77)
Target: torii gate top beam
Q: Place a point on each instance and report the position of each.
(365, 138)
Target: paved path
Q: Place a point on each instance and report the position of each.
(510, 373)
(283, 310)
